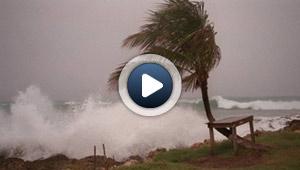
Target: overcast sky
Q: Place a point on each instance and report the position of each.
(69, 47)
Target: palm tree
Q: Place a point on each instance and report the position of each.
(180, 31)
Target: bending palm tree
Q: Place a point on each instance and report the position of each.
(180, 30)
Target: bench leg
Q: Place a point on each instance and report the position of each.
(252, 131)
(231, 130)
(235, 147)
(212, 140)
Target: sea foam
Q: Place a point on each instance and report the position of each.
(257, 104)
(35, 129)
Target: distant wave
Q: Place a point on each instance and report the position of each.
(223, 103)
(190, 101)
(257, 104)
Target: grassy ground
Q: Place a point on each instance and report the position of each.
(284, 154)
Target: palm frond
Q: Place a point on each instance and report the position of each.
(181, 61)
(114, 76)
(191, 82)
(180, 31)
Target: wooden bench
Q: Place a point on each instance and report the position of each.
(232, 123)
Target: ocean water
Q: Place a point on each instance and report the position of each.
(32, 126)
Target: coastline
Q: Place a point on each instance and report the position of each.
(63, 162)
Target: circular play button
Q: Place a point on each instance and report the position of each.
(150, 85)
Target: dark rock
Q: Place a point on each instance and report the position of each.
(197, 145)
(152, 154)
(59, 157)
(54, 162)
(293, 125)
(130, 162)
(136, 157)
(206, 142)
(12, 164)
(101, 161)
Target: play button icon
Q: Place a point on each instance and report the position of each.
(149, 85)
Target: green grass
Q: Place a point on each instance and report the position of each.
(181, 155)
(284, 154)
(160, 166)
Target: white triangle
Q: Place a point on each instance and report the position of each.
(150, 85)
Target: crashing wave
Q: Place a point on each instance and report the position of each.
(38, 129)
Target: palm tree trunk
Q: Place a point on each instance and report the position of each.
(205, 100)
(224, 131)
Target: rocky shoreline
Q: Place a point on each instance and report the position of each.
(62, 162)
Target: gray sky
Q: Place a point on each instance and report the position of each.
(69, 47)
